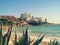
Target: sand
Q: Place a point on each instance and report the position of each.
(33, 36)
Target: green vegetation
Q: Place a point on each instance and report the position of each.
(4, 40)
(25, 40)
(4, 21)
(1, 36)
(54, 42)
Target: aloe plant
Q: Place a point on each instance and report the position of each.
(38, 40)
(1, 36)
(54, 42)
(4, 40)
(25, 40)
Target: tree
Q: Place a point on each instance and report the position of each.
(5, 21)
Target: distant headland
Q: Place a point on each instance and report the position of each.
(24, 19)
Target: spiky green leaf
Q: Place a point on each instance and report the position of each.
(38, 40)
(1, 37)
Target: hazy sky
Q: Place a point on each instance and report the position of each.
(49, 9)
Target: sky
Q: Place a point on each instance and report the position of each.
(49, 9)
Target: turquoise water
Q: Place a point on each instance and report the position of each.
(48, 30)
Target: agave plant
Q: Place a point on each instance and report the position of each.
(25, 40)
(1, 36)
(54, 42)
(4, 40)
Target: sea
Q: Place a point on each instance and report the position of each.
(49, 30)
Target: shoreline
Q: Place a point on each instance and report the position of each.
(34, 36)
(46, 39)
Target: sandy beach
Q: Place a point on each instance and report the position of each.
(33, 36)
